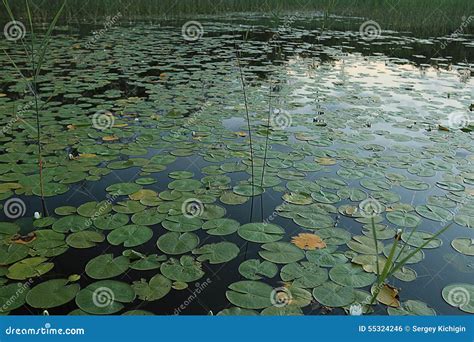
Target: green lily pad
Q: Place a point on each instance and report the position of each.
(186, 269)
(91, 209)
(52, 293)
(105, 297)
(351, 275)
(434, 213)
(111, 221)
(403, 219)
(185, 185)
(148, 217)
(130, 235)
(158, 287)
(255, 269)
(418, 238)
(217, 253)
(281, 253)
(182, 223)
(29, 268)
(412, 308)
(334, 295)
(415, 185)
(12, 296)
(84, 239)
(261, 232)
(460, 295)
(177, 243)
(73, 223)
(304, 274)
(249, 294)
(247, 190)
(221, 226)
(10, 254)
(463, 245)
(106, 266)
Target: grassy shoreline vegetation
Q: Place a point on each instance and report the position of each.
(437, 16)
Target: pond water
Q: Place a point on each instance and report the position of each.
(342, 122)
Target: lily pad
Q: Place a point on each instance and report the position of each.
(52, 293)
(351, 275)
(460, 295)
(105, 297)
(155, 289)
(221, 226)
(261, 232)
(334, 295)
(106, 266)
(281, 252)
(249, 294)
(186, 269)
(130, 235)
(255, 269)
(177, 243)
(217, 253)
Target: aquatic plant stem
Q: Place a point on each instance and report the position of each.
(266, 143)
(249, 131)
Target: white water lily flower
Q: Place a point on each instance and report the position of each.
(37, 215)
(399, 231)
(355, 309)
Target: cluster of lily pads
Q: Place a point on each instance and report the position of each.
(178, 137)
